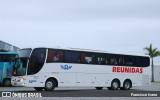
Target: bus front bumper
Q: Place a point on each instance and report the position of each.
(18, 82)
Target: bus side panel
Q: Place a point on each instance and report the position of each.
(34, 80)
(91, 79)
(146, 80)
(67, 79)
(136, 79)
(83, 79)
(5, 70)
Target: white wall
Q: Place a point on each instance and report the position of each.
(157, 72)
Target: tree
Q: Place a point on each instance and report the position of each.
(152, 52)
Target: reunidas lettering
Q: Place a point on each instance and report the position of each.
(127, 70)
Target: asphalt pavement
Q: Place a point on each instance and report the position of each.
(82, 93)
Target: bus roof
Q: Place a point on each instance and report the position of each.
(8, 52)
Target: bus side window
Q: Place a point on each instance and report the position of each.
(128, 61)
(54, 56)
(0, 58)
(5, 58)
(50, 56)
(93, 59)
(71, 57)
(60, 57)
(67, 56)
(83, 57)
(75, 57)
(113, 61)
(120, 61)
(144, 61)
(101, 60)
(87, 58)
(90, 58)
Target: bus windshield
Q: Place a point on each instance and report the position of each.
(29, 62)
(24, 52)
(36, 61)
(19, 68)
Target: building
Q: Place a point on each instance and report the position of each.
(157, 73)
(7, 47)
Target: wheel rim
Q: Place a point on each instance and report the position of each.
(49, 85)
(115, 85)
(7, 82)
(127, 85)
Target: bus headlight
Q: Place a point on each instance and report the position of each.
(21, 80)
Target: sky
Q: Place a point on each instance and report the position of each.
(118, 26)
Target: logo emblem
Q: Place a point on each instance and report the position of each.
(66, 67)
(31, 81)
(6, 94)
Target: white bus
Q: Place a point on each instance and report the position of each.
(48, 68)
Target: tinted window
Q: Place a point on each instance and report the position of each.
(144, 61)
(71, 57)
(102, 59)
(113, 60)
(122, 60)
(68, 56)
(54, 56)
(87, 58)
(7, 57)
(36, 61)
(128, 60)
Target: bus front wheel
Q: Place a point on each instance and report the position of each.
(7, 82)
(50, 85)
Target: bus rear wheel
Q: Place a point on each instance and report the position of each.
(99, 88)
(7, 82)
(126, 85)
(115, 85)
(50, 85)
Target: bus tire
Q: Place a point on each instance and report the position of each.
(115, 84)
(38, 88)
(99, 88)
(50, 85)
(127, 85)
(7, 82)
